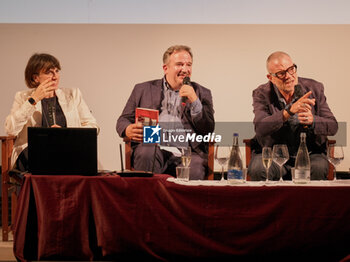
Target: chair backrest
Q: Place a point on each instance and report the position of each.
(248, 156)
(209, 176)
(6, 152)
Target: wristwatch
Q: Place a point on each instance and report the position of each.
(288, 110)
(32, 101)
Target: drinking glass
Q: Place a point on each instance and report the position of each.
(335, 155)
(267, 160)
(186, 156)
(222, 155)
(280, 156)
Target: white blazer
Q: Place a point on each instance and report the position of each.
(23, 115)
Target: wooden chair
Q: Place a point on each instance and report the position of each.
(210, 175)
(7, 187)
(248, 156)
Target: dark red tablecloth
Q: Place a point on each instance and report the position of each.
(110, 218)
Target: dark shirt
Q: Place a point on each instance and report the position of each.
(52, 113)
(291, 127)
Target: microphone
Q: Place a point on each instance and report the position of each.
(186, 81)
(298, 92)
(52, 113)
(121, 157)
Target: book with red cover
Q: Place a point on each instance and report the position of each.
(148, 117)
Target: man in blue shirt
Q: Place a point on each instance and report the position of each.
(183, 107)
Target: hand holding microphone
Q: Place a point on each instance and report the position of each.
(303, 106)
(187, 92)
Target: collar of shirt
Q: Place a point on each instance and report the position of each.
(166, 85)
(281, 98)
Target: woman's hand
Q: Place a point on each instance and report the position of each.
(45, 89)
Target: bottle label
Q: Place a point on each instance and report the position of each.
(301, 176)
(235, 174)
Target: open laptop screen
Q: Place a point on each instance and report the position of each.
(62, 151)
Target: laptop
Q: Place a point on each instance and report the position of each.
(62, 151)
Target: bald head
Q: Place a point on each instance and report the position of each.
(282, 72)
(274, 57)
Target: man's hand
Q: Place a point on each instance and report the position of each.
(134, 132)
(188, 92)
(303, 104)
(306, 118)
(302, 107)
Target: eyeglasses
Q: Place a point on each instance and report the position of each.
(52, 71)
(282, 74)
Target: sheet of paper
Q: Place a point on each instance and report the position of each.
(171, 149)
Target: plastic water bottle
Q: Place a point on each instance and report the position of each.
(302, 162)
(235, 166)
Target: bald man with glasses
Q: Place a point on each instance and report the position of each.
(284, 107)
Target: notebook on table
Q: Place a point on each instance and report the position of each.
(62, 151)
